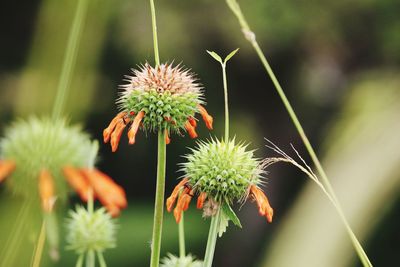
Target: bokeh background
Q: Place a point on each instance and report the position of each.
(338, 62)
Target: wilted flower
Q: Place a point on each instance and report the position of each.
(90, 232)
(220, 173)
(164, 98)
(174, 261)
(39, 153)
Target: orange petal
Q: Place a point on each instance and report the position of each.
(167, 139)
(135, 126)
(111, 195)
(190, 129)
(6, 168)
(108, 131)
(201, 199)
(171, 200)
(206, 117)
(192, 121)
(116, 134)
(78, 182)
(46, 190)
(182, 204)
(264, 207)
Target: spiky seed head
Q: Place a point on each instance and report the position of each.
(224, 170)
(41, 143)
(88, 230)
(168, 95)
(174, 261)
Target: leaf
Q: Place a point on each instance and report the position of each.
(215, 56)
(223, 224)
(227, 210)
(231, 54)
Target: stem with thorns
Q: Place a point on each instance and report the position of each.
(250, 36)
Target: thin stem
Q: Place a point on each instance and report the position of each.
(70, 57)
(226, 102)
(250, 36)
(182, 250)
(90, 259)
(159, 203)
(79, 262)
(155, 38)
(212, 239)
(39, 246)
(101, 259)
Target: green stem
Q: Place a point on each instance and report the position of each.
(39, 246)
(79, 262)
(155, 38)
(182, 250)
(226, 102)
(159, 203)
(90, 259)
(212, 239)
(250, 36)
(101, 259)
(70, 57)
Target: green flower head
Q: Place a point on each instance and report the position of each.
(164, 98)
(221, 172)
(38, 147)
(174, 261)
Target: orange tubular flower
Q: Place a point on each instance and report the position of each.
(167, 139)
(174, 195)
(206, 117)
(110, 129)
(46, 190)
(6, 168)
(77, 181)
(111, 195)
(135, 127)
(200, 200)
(191, 130)
(264, 207)
(182, 203)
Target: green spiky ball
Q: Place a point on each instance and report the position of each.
(39, 143)
(168, 95)
(224, 170)
(90, 230)
(174, 261)
(159, 106)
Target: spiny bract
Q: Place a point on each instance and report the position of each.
(41, 143)
(167, 95)
(223, 170)
(90, 230)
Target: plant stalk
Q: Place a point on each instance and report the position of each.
(159, 202)
(212, 239)
(70, 57)
(39, 246)
(155, 38)
(226, 102)
(182, 249)
(250, 36)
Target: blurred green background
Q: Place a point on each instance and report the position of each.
(339, 62)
